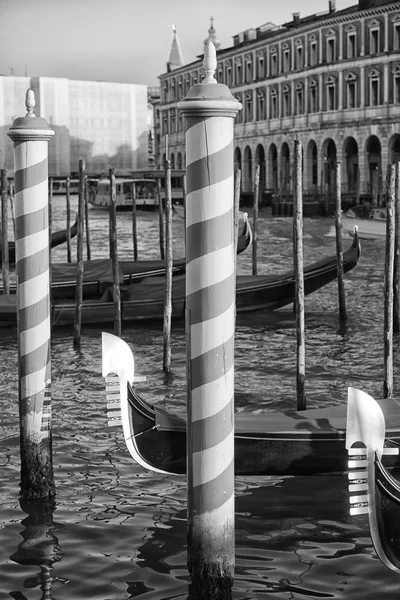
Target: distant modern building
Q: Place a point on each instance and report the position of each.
(106, 124)
(331, 80)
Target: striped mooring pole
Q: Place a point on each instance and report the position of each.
(210, 110)
(30, 135)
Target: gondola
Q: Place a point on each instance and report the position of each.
(380, 491)
(271, 443)
(57, 238)
(144, 301)
(98, 276)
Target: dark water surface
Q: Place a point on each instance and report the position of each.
(117, 532)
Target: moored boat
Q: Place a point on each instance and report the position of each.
(271, 443)
(57, 238)
(373, 489)
(371, 222)
(144, 301)
(145, 194)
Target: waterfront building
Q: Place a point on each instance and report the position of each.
(106, 124)
(331, 80)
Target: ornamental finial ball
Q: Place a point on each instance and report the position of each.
(30, 103)
(210, 62)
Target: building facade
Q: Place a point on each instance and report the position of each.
(331, 80)
(106, 124)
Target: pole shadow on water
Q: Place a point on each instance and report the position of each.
(39, 548)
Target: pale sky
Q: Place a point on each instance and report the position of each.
(126, 41)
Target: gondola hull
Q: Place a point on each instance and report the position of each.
(291, 443)
(145, 301)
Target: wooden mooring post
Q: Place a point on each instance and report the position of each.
(396, 267)
(134, 223)
(256, 192)
(87, 227)
(210, 110)
(339, 247)
(30, 136)
(161, 220)
(5, 265)
(168, 270)
(68, 207)
(114, 255)
(236, 203)
(388, 303)
(79, 256)
(299, 274)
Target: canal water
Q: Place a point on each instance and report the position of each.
(117, 532)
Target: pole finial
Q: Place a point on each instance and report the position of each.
(210, 63)
(30, 102)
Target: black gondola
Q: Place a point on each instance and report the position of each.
(271, 443)
(380, 497)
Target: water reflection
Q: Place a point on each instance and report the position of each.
(38, 548)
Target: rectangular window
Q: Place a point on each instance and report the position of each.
(299, 57)
(374, 41)
(374, 92)
(299, 102)
(351, 94)
(286, 104)
(351, 45)
(331, 97)
(274, 107)
(313, 100)
(249, 72)
(286, 61)
(313, 54)
(330, 50)
(396, 40)
(229, 76)
(397, 90)
(274, 64)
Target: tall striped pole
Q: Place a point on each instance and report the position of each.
(210, 109)
(30, 135)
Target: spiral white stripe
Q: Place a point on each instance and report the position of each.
(35, 337)
(205, 467)
(212, 333)
(210, 202)
(31, 244)
(27, 154)
(212, 135)
(33, 290)
(31, 199)
(33, 383)
(209, 269)
(210, 398)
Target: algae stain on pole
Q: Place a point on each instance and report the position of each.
(210, 110)
(30, 135)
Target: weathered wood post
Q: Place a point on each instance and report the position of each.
(87, 228)
(30, 135)
(161, 220)
(168, 270)
(256, 189)
(210, 110)
(114, 255)
(299, 274)
(339, 248)
(79, 258)
(396, 267)
(236, 203)
(68, 206)
(388, 304)
(134, 223)
(5, 264)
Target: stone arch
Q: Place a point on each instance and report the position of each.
(247, 173)
(329, 154)
(272, 171)
(285, 169)
(350, 170)
(373, 176)
(394, 148)
(312, 165)
(260, 160)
